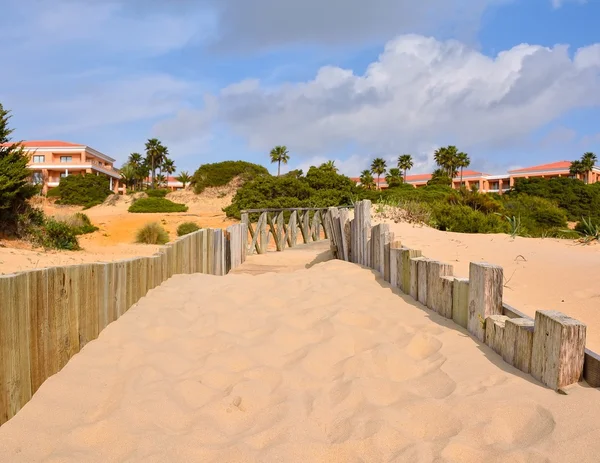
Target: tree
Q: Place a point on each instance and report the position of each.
(155, 154)
(128, 174)
(366, 180)
(168, 166)
(184, 177)
(447, 159)
(576, 168)
(136, 161)
(588, 161)
(279, 155)
(405, 162)
(394, 177)
(440, 177)
(463, 161)
(378, 167)
(161, 180)
(329, 166)
(15, 188)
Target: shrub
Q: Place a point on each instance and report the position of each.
(152, 233)
(55, 235)
(589, 229)
(186, 228)
(537, 215)
(83, 190)
(79, 222)
(463, 219)
(53, 193)
(161, 193)
(221, 173)
(156, 205)
(484, 202)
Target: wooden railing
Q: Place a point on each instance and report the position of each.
(48, 315)
(551, 348)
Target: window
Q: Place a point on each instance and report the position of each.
(37, 178)
(39, 158)
(66, 158)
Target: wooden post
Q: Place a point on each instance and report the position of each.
(39, 325)
(343, 223)
(460, 301)
(518, 343)
(485, 296)
(261, 230)
(439, 291)
(361, 232)
(494, 332)
(413, 289)
(422, 275)
(246, 221)
(395, 265)
(306, 227)
(86, 285)
(405, 269)
(558, 349)
(293, 229)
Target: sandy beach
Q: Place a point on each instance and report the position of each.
(326, 364)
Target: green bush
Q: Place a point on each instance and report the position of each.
(186, 228)
(79, 222)
(55, 235)
(538, 216)
(161, 193)
(83, 190)
(156, 205)
(221, 173)
(53, 193)
(152, 233)
(463, 219)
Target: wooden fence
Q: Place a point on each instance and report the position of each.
(551, 348)
(310, 222)
(48, 315)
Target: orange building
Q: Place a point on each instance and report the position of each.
(49, 160)
(487, 183)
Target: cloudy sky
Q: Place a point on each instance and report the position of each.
(511, 82)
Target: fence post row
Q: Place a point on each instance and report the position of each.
(551, 348)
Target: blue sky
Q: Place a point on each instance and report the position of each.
(511, 82)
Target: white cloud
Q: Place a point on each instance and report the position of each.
(420, 93)
(559, 3)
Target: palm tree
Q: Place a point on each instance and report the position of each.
(161, 180)
(366, 180)
(405, 162)
(168, 166)
(136, 160)
(329, 166)
(588, 161)
(447, 159)
(279, 155)
(155, 153)
(463, 161)
(394, 177)
(128, 174)
(576, 169)
(184, 177)
(378, 167)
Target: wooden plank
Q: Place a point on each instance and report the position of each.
(422, 276)
(88, 313)
(104, 294)
(395, 266)
(518, 343)
(210, 249)
(243, 241)
(591, 368)
(558, 349)
(15, 370)
(388, 238)
(377, 248)
(120, 283)
(262, 232)
(39, 329)
(293, 229)
(460, 301)
(305, 227)
(322, 213)
(405, 268)
(302, 209)
(438, 290)
(204, 251)
(219, 252)
(343, 223)
(485, 296)
(414, 277)
(494, 332)
(361, 233)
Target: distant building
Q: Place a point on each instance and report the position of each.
(50, 160)
(487, 183)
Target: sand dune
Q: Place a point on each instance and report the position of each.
(320, 365)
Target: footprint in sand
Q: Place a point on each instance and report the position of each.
(423, 346)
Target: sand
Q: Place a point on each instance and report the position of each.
(325, 364)
(549, 274)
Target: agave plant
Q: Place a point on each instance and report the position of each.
(589, 230)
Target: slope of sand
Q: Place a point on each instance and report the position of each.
(319, 365)
(549, 274)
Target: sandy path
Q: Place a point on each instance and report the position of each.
(539, 274)
(319, 365)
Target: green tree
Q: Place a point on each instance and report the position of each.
(576, 168)
(15, 188)
(440, 177)
(161, 180)
(329, 166)
(366, 180)
(279, 155)
(405, 162)
(378, 167)
(156, 153)
(128, 175)
(394, 177)
(447, 159)
(136, 161)
(184, 177)
(588, 161)
(462, 161)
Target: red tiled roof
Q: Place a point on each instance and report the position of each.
(551, 166)
(45, 144)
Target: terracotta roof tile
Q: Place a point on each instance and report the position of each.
(551, 166)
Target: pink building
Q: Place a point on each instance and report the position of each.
(49, 160)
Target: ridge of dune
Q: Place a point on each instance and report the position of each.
(326, 364)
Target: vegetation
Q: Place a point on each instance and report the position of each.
(152, 233)
(83, 190)
(279, 155)
(583, 166)
(378, 167)
(405, 163)
(54, 234)
(366, 180)
(79, 222)
(449, 159)
(186, 228)
(156, 205)
(184, 177)
(221, 173)
(157, 193)
(394, 178)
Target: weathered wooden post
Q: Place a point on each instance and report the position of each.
(404, 268)
(422, 275)
(439, 292)
(361, 232)
(395, 264)
(558, 349)
(293, 229)
(343, 223)
(246, 221)
(518, 343)
(261, 229)
(494, 332)
(460, 301)
(413, 289)
(485, 296)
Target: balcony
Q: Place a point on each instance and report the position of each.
(76, 166)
